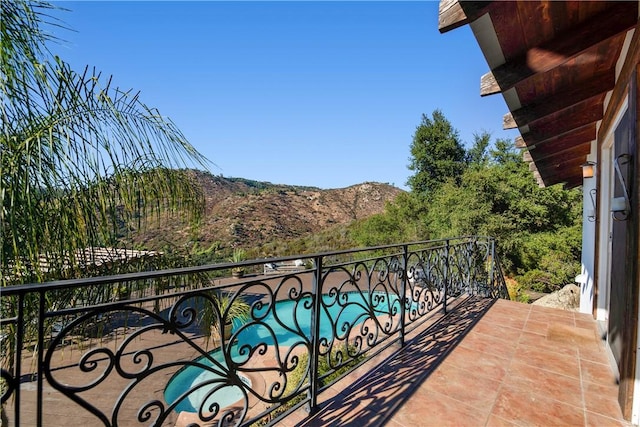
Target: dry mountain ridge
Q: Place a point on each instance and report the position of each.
(246, 213)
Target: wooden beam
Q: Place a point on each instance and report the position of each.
(526, 157)
(562, 166)
(581, 150)
(453, 13)
(519, 142)
(562, 141)
(489, 85)
(508, 122)
(578, 92)
(450, 15)
(576, 143)
(571, 179)
(538, 178)
(567, 120)
(619, 18)
(547, 155)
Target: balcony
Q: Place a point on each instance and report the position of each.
(488, 363)
(411, 334)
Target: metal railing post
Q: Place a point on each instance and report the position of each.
(403, 292)
(17, 362)
(492, 279)
(39, 392)
(472, 267)
(446, 276)
(315, 336)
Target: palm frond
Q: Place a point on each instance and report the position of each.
(79, 158)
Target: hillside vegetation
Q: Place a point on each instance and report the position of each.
(263, 218)
(486, 190)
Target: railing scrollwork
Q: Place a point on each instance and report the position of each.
(186, 346)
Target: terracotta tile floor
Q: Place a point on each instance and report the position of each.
(487, 363)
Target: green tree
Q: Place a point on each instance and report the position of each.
(504, 152)
(477, 154)
(537, 228)
(79, 158)
(436, 154)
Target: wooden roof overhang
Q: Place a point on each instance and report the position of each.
(554, 63)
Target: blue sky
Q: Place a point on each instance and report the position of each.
(324, 94)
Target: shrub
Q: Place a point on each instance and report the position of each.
(555, 269)
(516, 291)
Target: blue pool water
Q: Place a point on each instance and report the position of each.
(293, 322)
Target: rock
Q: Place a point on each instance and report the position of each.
(567, 298)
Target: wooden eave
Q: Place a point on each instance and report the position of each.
(557, 62)
(451, 15)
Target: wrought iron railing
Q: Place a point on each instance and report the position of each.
(195, 345)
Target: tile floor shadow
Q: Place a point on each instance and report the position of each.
(374, 398)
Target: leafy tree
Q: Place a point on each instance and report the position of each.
(79, 158)
(436, 154)
(504, 152)
(477, 154)
(536, 228)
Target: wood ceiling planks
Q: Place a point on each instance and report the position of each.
(560, 59)
(552, 53)
(545, 101)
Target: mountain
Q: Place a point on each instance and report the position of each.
(246, 213)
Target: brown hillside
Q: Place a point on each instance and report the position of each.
(248, 213)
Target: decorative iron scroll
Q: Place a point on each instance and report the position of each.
(192, 354)
(426, 282)
(362, 306)
(253, 347)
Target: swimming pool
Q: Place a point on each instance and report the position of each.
(287, 324)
